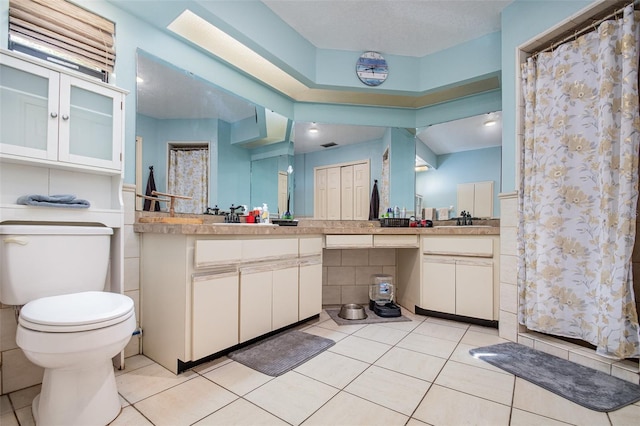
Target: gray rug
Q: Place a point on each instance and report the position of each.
(283, 352)
(590, 388)
(371, 318)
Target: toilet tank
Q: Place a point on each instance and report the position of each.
(46, 260)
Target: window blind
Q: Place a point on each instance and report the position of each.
(64, 30)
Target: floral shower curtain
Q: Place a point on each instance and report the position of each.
(188, 175)
(579, 189)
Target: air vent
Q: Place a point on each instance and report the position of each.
(328, 145)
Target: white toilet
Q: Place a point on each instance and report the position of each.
(68, 325)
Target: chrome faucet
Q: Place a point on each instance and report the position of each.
(464, 219)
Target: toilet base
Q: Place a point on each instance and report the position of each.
(77, 397)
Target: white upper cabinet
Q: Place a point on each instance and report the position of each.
(58, 119)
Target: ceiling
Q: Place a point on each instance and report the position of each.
(397, 27)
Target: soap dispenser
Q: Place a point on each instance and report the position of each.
(265, 213)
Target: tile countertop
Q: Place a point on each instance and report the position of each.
(212, 226)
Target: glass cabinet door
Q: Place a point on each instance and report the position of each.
(28, 109)
(90, 120)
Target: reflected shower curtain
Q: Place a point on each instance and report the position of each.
(188, 175)
(579, 189)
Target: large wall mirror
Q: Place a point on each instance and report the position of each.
(463, 151)
(197, 135)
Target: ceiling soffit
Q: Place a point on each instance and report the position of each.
(208, 37)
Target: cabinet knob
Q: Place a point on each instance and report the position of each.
(54, 114)
(65, 117)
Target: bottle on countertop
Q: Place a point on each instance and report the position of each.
(404, 212)
(265, 213)
(396, 212)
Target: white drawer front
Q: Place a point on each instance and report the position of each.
(349, 241)
(309, 246)
(269, 248)
(479, 247)
(395, 241)
(217, 252)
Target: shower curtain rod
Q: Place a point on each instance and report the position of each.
(589, 27)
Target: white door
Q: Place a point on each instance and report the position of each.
(361, 191)
(333, 194)
(320, 194)
(346, 193)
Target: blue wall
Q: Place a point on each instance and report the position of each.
(438, 187)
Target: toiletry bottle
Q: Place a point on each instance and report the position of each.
(404, 213)
(265, 213)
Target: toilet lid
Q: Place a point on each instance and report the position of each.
(76, 312)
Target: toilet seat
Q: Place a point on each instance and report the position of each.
(76, 312)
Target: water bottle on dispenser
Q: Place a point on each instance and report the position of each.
(381, 297)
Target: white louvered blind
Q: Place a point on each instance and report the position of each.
(64, 30)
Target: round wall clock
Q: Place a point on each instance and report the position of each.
(372, 68)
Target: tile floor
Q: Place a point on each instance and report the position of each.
(404, 373)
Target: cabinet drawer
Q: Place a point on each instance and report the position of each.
(479, 247)
(349, 241)
(271, 248)
(309, 246)
(395, 241)
(217, 252)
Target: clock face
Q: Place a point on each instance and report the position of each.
(372, 68)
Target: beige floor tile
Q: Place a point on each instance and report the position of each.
(349, 410)
(361, 349)
(208, 366)
(524, 418)
(443, 406)
(346, 329)
(450, 323)
(407, 326)
(440, 331)
(376, 332)
(461, 354)
(532, 398)
(292, 396)
(428, 345)
(24, 397)
(415, 364)
(133, 363)
(333, 369)
(5, 405)
(146, 381)
(334, 335)
(474, 380)
(186, 403)
(129, 416)
(123, 402)
(392, 390)
(415, 422)
(626, 416)
(25, 417)
(241, 413)
(482, 329)
(478, 339)
(8, 419)
(237, 378)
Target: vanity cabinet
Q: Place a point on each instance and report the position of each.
(204, 294)
(58, 118)
(459, 276)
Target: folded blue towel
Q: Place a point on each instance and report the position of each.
(62, 200)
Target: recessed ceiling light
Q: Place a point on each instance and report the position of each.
(489, 123)
(313, 130)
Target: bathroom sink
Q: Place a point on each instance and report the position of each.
(172, 220)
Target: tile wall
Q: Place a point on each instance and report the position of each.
(346, 274)
(16, 371)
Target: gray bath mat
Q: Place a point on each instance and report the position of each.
(283, 352)
(371, 318)
(590, 388)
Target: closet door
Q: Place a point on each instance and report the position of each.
(346, 193)
(320, 194)
(361, 191)
(333, 194)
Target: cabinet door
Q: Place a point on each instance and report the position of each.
(285, 297)
(439, 285)
(466, 196)
(474, 290)
(483, 199)
(310, 288)
(361, 191)
(28, 109)
(255, 304)
(320, 194)
(90, 125)
(214, 314)
(346, 193)
(333, 193)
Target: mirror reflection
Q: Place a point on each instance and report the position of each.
(455, 156)
(208, 144)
